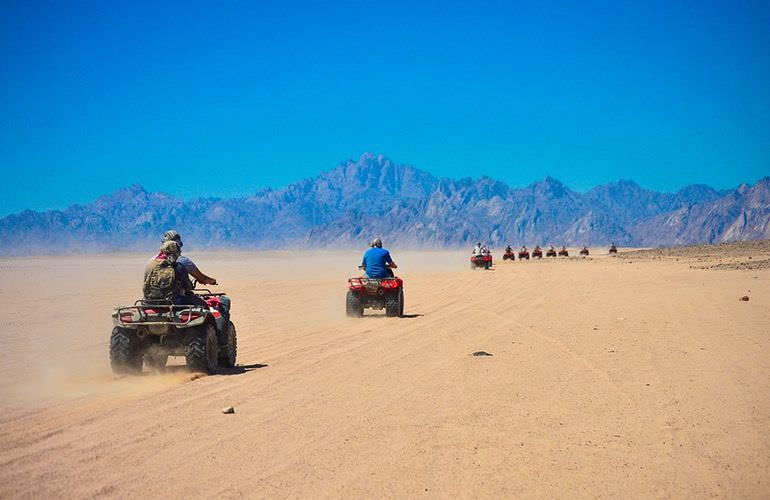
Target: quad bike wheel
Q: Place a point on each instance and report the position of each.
(201, 350)
(229, 351)
(487, 265)
(394, 304)
(125, 351)
(353, 306)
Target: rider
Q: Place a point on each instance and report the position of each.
(190, 267)
(478, 249)
(377, 262)
(183, 294)
(508, 249)
(169, 254)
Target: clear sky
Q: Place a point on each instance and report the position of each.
(224, 98)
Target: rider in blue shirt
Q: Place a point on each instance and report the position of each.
(377, 262)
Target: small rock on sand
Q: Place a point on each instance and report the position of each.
(481, 353)
(228, 410)
(745, 298)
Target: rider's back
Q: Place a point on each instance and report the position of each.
(160, 280)
(375, 263)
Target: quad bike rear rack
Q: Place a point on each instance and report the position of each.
(173, 313)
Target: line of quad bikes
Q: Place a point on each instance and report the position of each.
(146, 333)
(484, 261)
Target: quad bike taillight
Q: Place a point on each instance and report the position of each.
(389, 284)
(187, 316)
(129, 316)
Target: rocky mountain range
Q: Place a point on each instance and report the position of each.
(405, 206)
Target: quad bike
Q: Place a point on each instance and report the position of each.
(509, 255)
(563, 253)
(375, 293)
(484, 261)
(613, 249)
(148, 332)
(551, 252)
(523, 254)
(537, 253)
(584, 252)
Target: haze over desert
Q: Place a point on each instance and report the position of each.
(637, 376)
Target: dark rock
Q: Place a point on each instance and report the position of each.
(482, 353)
(745, 298)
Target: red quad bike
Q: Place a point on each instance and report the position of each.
(523, 254)
(584, 252)
(551, 252)
(151, 331)
(537, 253)
(563, 253)
(509, 255)
(375, 293)
(483, 261)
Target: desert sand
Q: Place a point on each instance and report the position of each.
(641, 376)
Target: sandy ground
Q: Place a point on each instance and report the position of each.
(609, 378)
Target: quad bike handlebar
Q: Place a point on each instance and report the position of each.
(204, 291)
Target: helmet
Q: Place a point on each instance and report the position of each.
(173, 235)
(171, 249)
(376, 242)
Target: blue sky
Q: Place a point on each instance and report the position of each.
(224, 98)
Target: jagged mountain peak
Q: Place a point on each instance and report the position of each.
(548, 182)
(375, 174)
(550, 188)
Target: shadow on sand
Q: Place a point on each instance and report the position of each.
(173, 369)
(239, 369)
(405, 316)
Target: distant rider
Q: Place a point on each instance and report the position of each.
(188, 264)
(377, 262)
(508, 249)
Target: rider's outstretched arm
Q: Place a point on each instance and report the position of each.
(202, 278)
